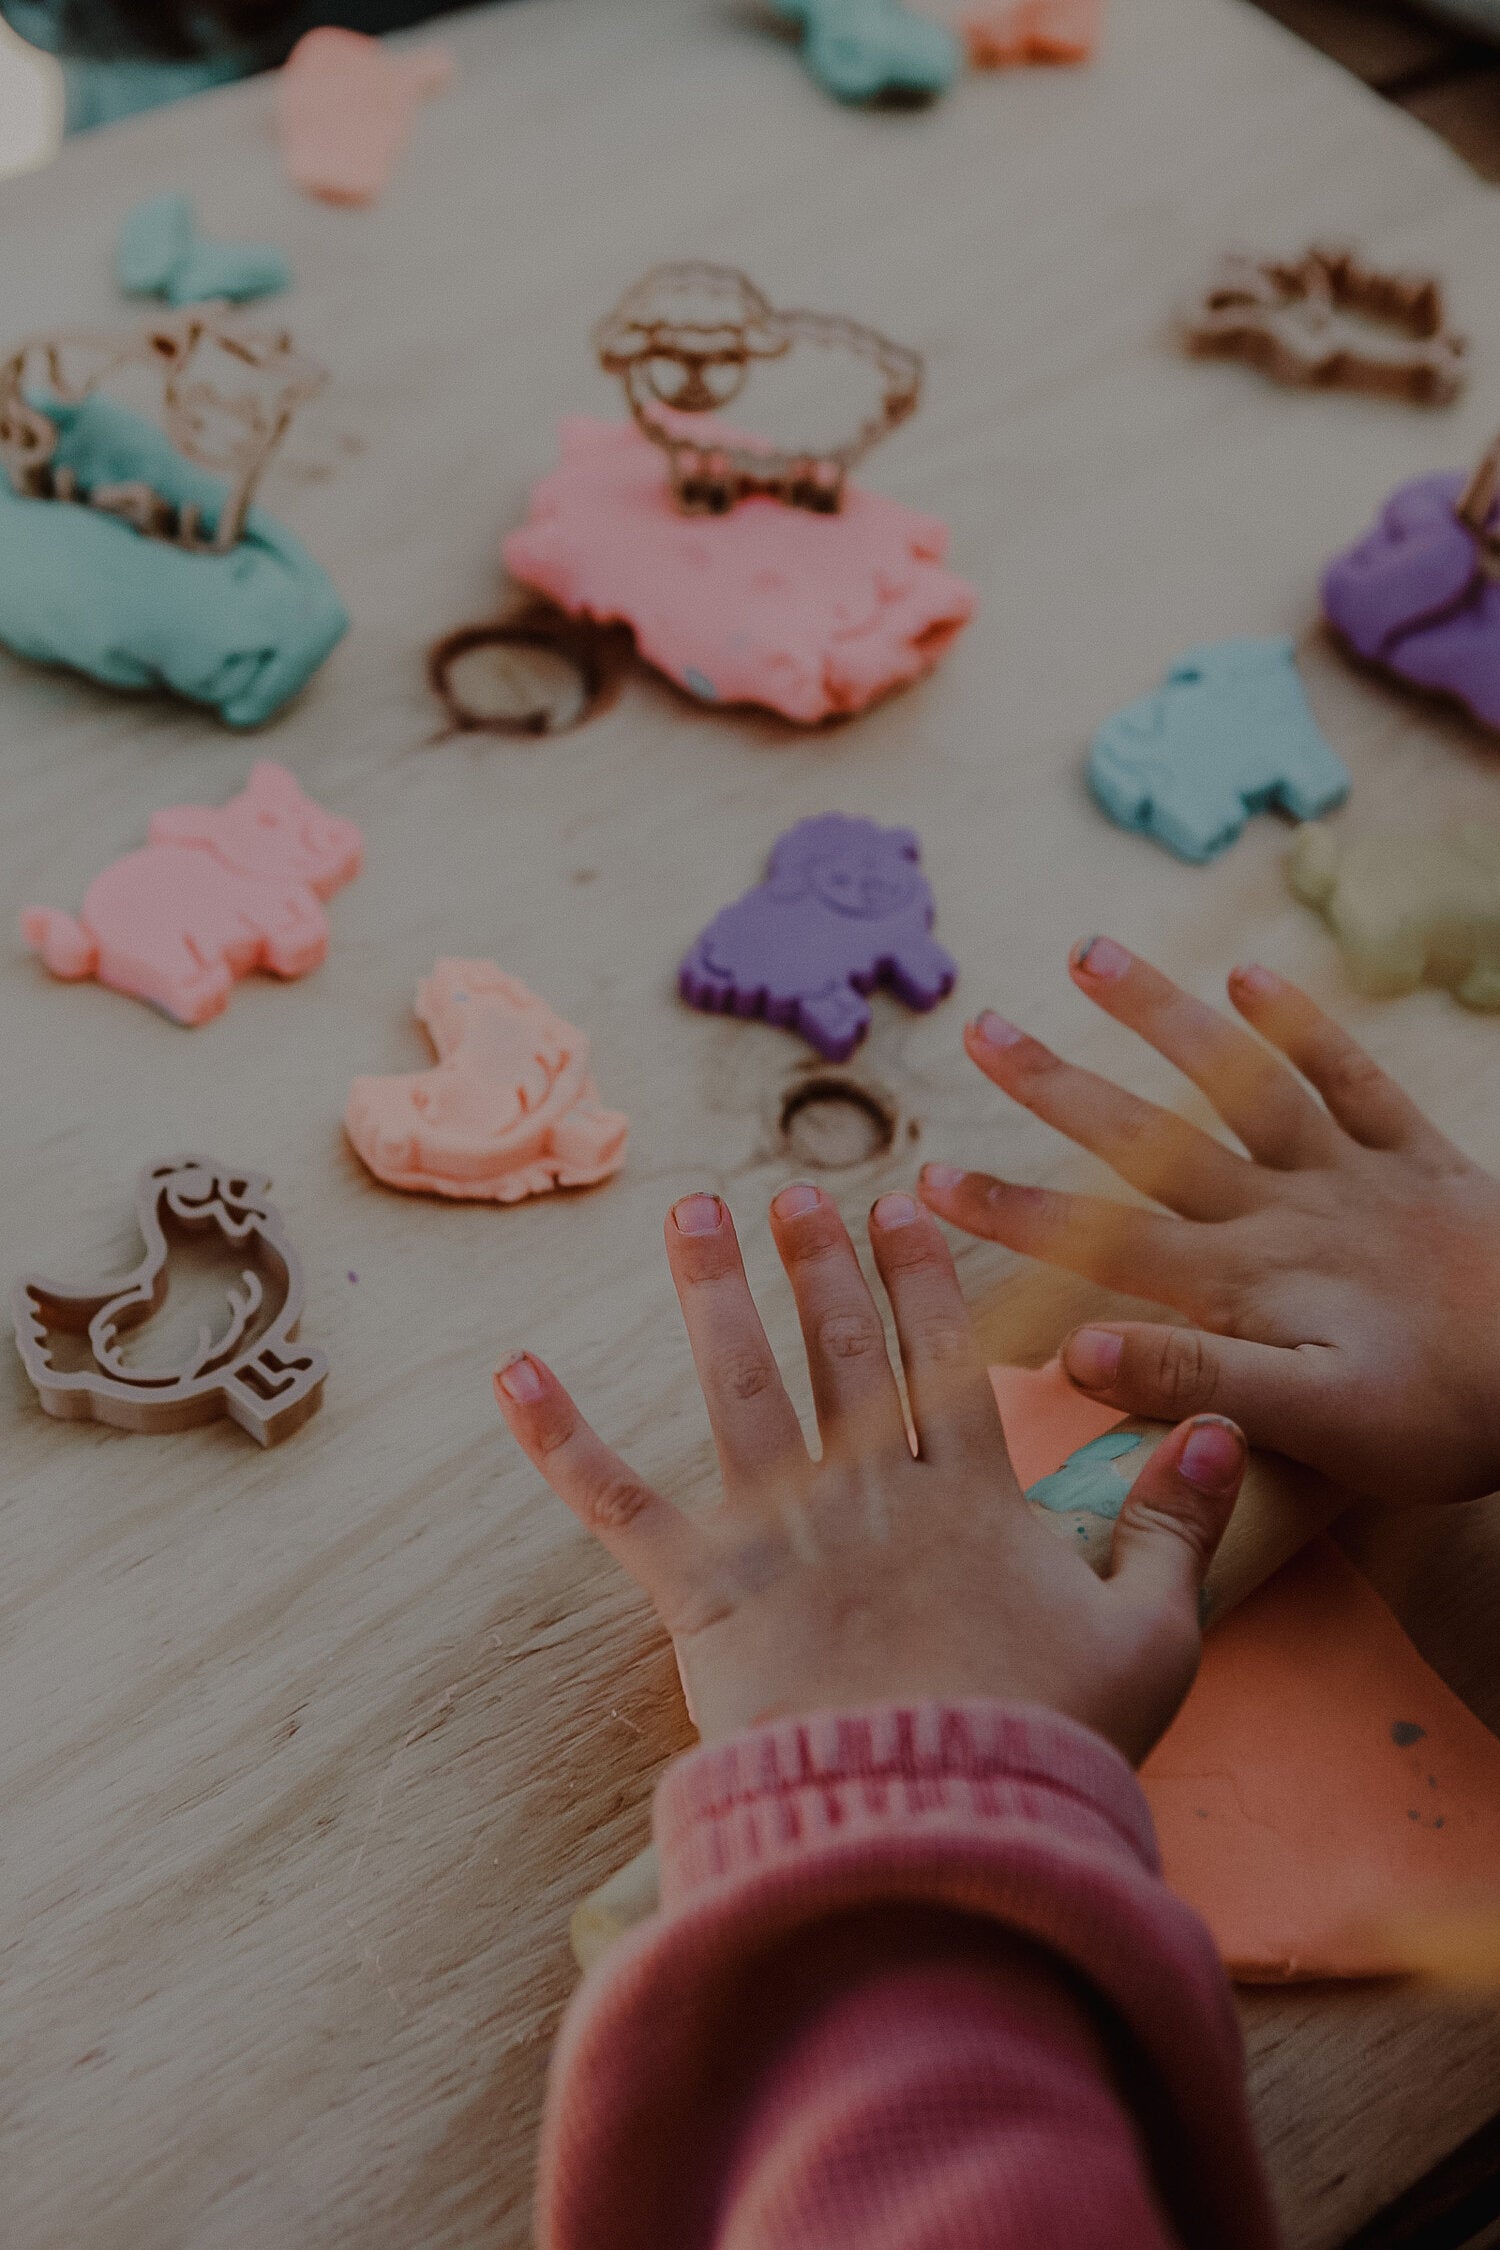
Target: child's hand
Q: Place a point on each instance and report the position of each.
(1348, 1269)
(871, 1574)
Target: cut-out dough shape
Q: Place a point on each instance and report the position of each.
(1408, 910)
(510, 1108)
(1414, 596)
(857, 50)
(808, 614)
(1229, 734)
(217, 891)
(160, 253)
(1014, 32)
(844, 907)
(250, 1370)
(346, 104)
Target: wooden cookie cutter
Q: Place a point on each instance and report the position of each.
(1317, 322)
(597, 655)
(1475, 507)
(249, 1372)
(231, 431)
(683, 341)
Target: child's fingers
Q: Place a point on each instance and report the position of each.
(1144, 1253)
(952, 1399)
(1372, 1108)
(754, 1423)
(1175, 1514)
(853, 1383)
(1275, 1392)
(662, 1550)
(1278, 1120)
(1162, 1155)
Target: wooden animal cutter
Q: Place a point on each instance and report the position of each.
(1329, 321)
(249, 1371)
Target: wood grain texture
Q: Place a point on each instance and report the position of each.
(308, 1755)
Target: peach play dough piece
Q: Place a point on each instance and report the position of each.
(510, 1108)
(1027, 31)
(345, 106)
(805, 613)
(1321, 1787)
(218, 890)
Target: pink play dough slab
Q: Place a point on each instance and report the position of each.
(808, 614)
(345, 106)
(509, 1109)
(218, 890)
(1029, 31)
(1321, 1791)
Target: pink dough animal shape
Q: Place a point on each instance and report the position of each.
(510, 1108)
(844, 907)
(218, 890)
(808, 614)
(345, 105)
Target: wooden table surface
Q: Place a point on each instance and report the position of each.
(308, 1754)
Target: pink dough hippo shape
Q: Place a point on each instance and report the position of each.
(218, 891)
(345, 104)
(808, 614)
(843, 908)
(510, 1108)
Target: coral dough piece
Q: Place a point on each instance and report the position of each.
(1409, 909)
(1029, 31)
(859, 49)
(844, 907)
(805, 613)
(1327, 320)
(250, 1370)
(217, 891)
(345, 106)
(1229, 734)
(510, 1108)
(160, 253)
(1418, 593)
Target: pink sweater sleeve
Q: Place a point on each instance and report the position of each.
(915, 1984)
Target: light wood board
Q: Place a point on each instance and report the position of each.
(307, 1755)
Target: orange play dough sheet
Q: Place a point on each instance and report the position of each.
(1321, 1789)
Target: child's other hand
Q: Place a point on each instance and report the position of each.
(1347, 1269)
(873, 1574)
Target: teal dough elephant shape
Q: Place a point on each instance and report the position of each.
(859, 49)
(1228, 734)
(240, 630)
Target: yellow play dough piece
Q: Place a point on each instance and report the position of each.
(1408, 910)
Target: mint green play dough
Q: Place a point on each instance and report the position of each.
(241, 631)
(1086, 1482)
(160, 253)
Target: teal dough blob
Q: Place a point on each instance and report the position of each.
(241, 631)
(1228, 734)
(159, 253)
(858, 49)
(1086, 1483)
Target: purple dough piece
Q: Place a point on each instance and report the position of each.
(1412, 595)
(844, 907)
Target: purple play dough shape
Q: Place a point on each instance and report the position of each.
(1414, 596)
(844, 907)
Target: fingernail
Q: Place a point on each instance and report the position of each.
(519, 1380)
(995, 1031)
(796, 1202)
(1092, 1358)
(894, 1211)
(942, 1179)
(1259, 982)
(1214, 1453)
(697, 1214)
(1101, 958)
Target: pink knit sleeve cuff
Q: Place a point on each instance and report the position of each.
(791, 1790)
